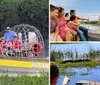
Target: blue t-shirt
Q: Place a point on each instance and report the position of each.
(10, 35)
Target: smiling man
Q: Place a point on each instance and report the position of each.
(10, 34)
(54, 28)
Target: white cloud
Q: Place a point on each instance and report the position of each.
(63, 3)
(91, 16)
(68, 4)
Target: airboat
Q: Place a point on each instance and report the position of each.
(32, 43)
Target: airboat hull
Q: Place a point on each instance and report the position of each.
(85, 82)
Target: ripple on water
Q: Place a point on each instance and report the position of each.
(77, 74)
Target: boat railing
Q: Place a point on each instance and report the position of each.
(23, 50)
(93, 22)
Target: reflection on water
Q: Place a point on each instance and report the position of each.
(77, 74)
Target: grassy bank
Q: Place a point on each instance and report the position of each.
(24, 80)
(77, 64)
(91, 22)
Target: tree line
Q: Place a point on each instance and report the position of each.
(33, 12)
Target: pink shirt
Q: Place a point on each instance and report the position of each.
(62, 21)
(70, 25)
(62, 26)
(8, 44)
(16, 44)
(1, 46)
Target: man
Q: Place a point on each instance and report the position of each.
(83, 29)
(10, 34)
(54, 29)
(54, 74)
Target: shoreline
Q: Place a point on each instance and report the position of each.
(77, 64)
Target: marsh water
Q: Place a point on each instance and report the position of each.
(91, 27)
(78, 74)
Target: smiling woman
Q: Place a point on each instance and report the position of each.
(90, 15)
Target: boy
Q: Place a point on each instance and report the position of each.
(54, 74)
(54, 29)
(83, 29)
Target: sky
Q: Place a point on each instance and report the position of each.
(83, 7)
(81, 47)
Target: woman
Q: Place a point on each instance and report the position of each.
(64, 31)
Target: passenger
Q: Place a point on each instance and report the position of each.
(1, 46)
(54, 74)
(9, 34)
(83, 29)
(54, 28)
(64, 31)
(3, 41)
(73, 24)
(8, 46)
(16, 45)
(72, 32)
(67, 17)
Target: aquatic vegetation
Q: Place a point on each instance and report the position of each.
(25, 80)
(91, 22)
(74, 55)
(66, 72)
(77, 64)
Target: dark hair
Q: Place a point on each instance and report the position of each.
(72, 17)
(67, 14)
(54, 71)
(52, 8)
(67, 21)
(72, 11)
(60, 9)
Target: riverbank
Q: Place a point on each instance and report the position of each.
(91, 22)
(77, 64)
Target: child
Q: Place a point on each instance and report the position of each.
(67, 17)
(83, 29)
(54, 75)
(65, 29)
(8, 46)
(1, 46)
(73, 25)
(16, 45)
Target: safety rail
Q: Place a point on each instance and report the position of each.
(23, 50)
(93, 23)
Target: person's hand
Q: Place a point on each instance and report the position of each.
(66, 81)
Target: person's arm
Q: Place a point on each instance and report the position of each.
(56, 33)
(10, 45)
(79, 18)
(14, 34)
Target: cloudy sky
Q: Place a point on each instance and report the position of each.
(83, 7)
(81, 48)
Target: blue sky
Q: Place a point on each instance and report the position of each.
(83, 7)
(81, 48)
